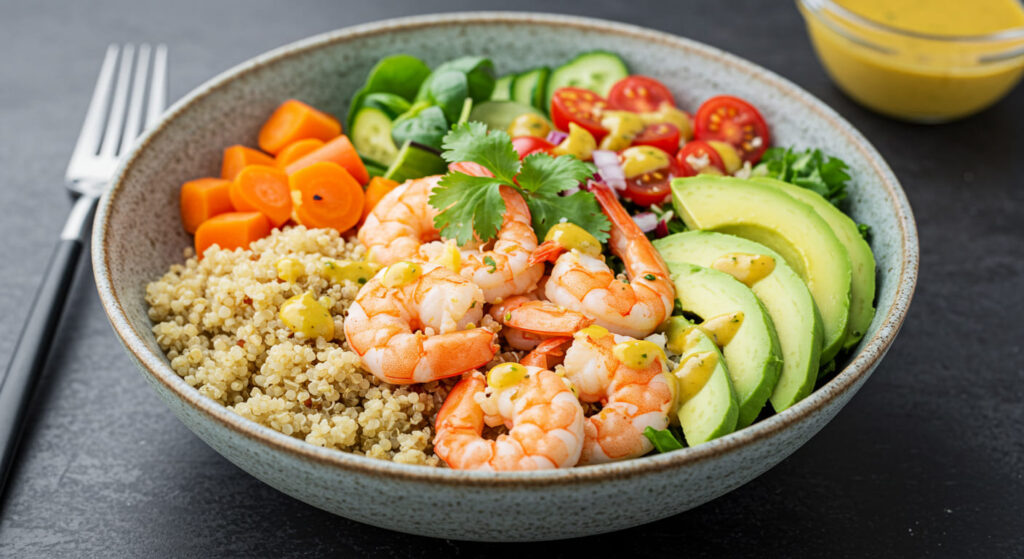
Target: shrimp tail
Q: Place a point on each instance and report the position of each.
(622, 223)
(470, 168)
(548, 251)
(548, 353)
(626, 239)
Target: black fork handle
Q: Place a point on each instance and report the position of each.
(30, 353)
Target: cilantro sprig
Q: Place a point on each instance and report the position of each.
(809, 169)
(472, 207)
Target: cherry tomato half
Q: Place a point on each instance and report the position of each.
(652, 188)
(582, 106)
(698, 150)
(664, 136)
(731, 119)
(639, 94)
(526, 145)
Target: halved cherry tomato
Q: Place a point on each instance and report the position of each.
(582, 106)
(639, 94)
(526, 145)
(698, 150)
(731, 119)
(664, 136)
(652, 188)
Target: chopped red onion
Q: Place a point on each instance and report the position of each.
(607, 163)
(662, 229)
(646, 221)
(557, 136)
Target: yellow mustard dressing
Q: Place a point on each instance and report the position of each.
(722, 328)
(637, 354)
(747, 268)
(930, 65)
(305, 315)
(693, 373)
(506, 375)
(573, 237)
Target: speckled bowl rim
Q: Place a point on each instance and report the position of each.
(861, 365)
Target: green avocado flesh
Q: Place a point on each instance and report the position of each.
(783, 294)
(862, 293)
(753, 356)
(763, 214)
(712, 412)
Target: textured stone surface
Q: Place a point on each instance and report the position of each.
(925, 460)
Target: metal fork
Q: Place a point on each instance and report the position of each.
(110, 128)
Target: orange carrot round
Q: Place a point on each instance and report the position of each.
(293, 121)
(202, 199)
(375, 190)
(340, 151)
(237, 157)
(297, 150)
(326, 195)
(263, 189)
(231, 230)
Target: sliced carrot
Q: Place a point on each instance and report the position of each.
(340, 151)
(259, 188)
(296, 150)
(202, 199)
(293, 121)
(237, 157)
(375, 190)
(326, 195)
(231, 230)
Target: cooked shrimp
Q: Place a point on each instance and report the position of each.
(400, 222)
(583, 282)
(414, 322)
(544, 418)
(504, 269)
(527, 321)
(630, 379)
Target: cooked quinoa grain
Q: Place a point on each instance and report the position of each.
(217, 320)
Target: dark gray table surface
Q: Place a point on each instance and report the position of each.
(926, 461)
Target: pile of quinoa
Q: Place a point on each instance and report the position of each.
(217, 321)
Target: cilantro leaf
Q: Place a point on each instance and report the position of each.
(471, 205)
(542, 171)
(663, 440)
(581, 208)
(470, 141)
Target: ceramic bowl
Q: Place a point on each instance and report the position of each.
(138, 234)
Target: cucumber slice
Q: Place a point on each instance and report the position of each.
(596, 70)
(371, 135)
(528, 88)
(503, 88)
(414, 161)
(374, 168)
(498, 115)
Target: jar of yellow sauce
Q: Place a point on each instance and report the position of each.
(919, 60)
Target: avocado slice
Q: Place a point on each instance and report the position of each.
(763, 214)
(862, 292)
(712, 411)
(782, 292)
(753, 356)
